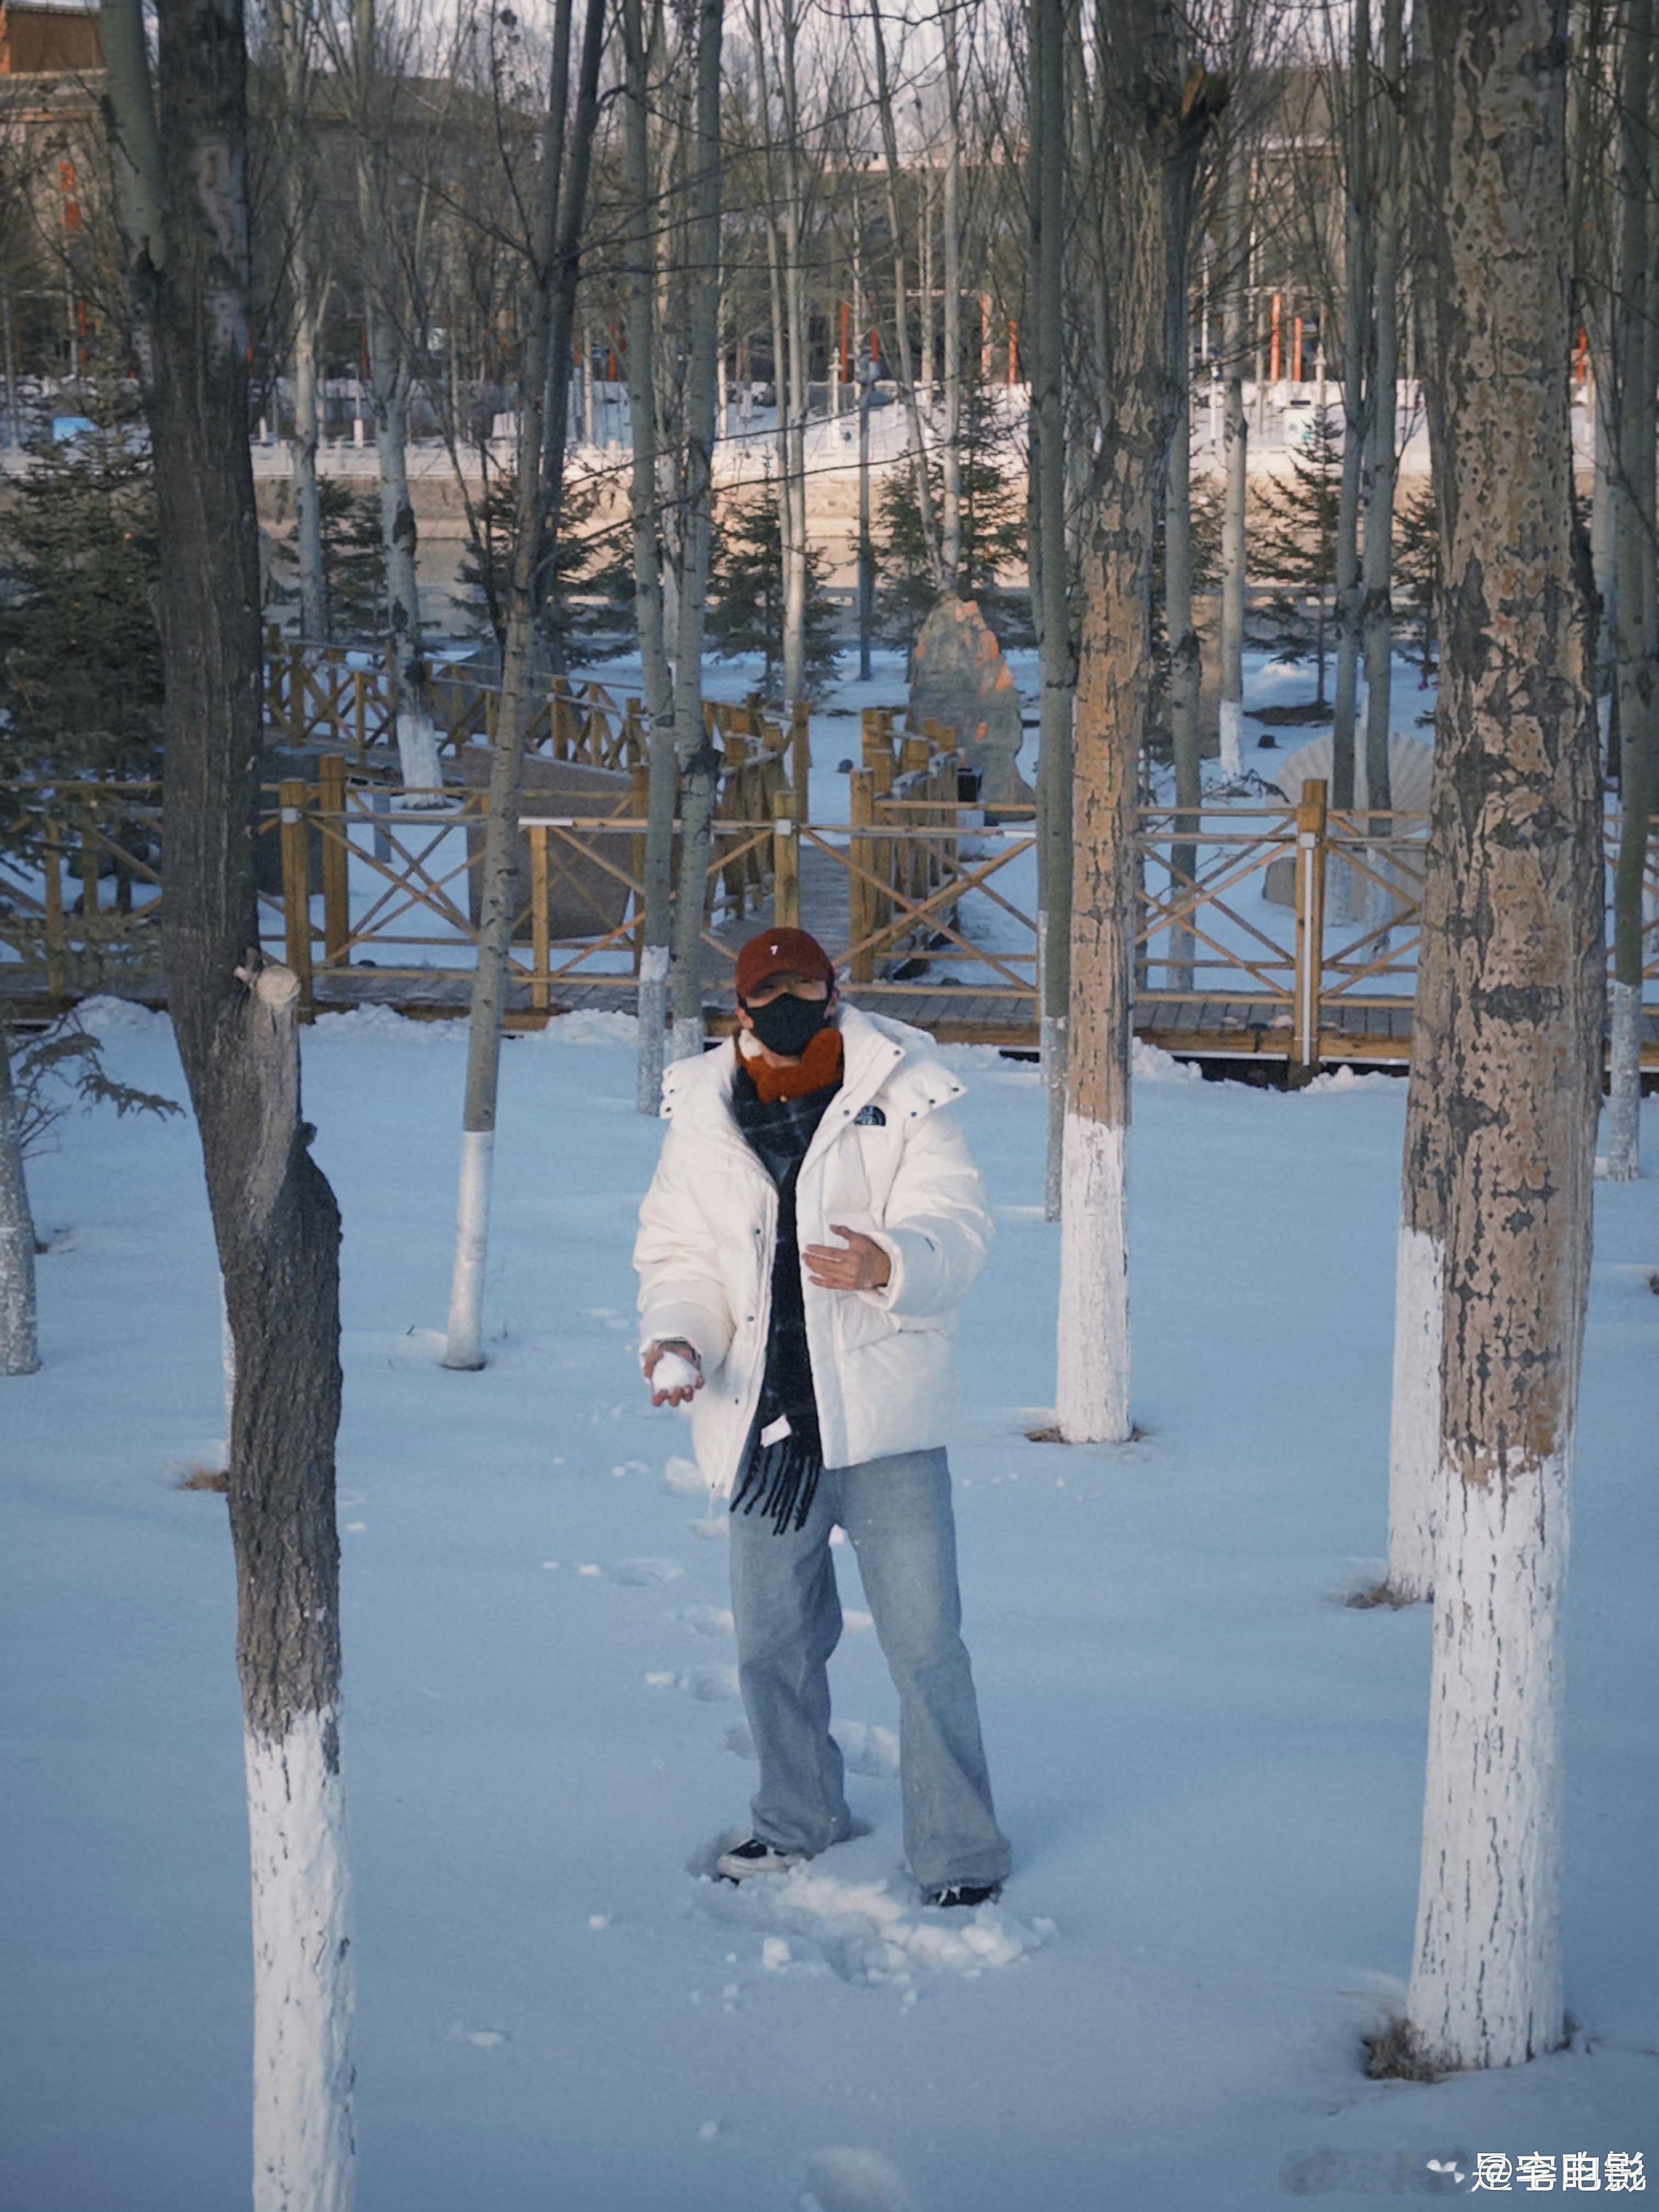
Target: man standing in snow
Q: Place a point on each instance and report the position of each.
(821, 1386)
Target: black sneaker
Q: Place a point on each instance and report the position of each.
(754, 1856)
(950, 1893)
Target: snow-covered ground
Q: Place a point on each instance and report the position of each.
(1209, 1766)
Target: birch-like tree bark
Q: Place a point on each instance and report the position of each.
(275, 1221)
(391, 375)
(20, 1346)
(1050, 565)
(1185, 672)
(1235, 433)
(1414, 1485)
(1381, 475)
(554, 247)
(1419, 1261)
(292, 25)
(1357, 394)
(1156, 118)
(699, 757)
(1636, 624)
(1518, 835)
(657, 898)
(950, 506)
(785, 215)
(792, 489)
(902, 364)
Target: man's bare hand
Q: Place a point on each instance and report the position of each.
(864, 1266)
(682, 1393)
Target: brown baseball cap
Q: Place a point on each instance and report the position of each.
(781, 952)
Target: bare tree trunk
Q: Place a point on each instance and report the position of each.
(656, 899)
(1414, 1485)
(389, 374)
(1636, 622)
(903, 365)
(1185, 673)
(275, 1220)
(1050, 567)
(1235, 433)
(792, 489)
(555, 247)
(1358, 393)
(1517, 832)
(777, 268)
(417, 738)
(950, 518)
(699, 757)
(305, 282)
(19, 1349)
(1376, 601)
(1155, 138)
(1420, 1264)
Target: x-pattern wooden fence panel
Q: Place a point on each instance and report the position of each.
(1387, 856)
(1204, 891)
(333, 697)
(925, 884)
(58, 844)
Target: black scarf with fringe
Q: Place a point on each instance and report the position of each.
(781, 1478)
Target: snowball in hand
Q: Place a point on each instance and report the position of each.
(671, 1372)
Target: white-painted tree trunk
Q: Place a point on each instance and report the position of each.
(1515, 847)
(653, 1027)
(1233, 736)
(20, 1350)
(417, 750)
(465, 1347)
(1486, 1986)
(1415, 1426)
(1091, 1395)
(302, 1977)
(1624, 1159)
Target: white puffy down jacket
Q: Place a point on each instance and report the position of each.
(887, 1159)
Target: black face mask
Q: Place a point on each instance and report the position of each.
(787, 1024)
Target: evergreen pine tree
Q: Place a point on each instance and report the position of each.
(354, 564)
(80, 652)
(587, 609)
(745, 590)
(1295, 544)
(992, 532)
(1417, 572)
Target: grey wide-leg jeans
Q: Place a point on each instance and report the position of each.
(896, 1513)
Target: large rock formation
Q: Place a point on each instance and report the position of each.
(959, 678)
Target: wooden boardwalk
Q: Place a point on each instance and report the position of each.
(1208, 1030)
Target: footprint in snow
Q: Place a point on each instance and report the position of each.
(638, 1574)
(867, 1934)
(711, 1686)
(708, 1619)
(872, 1752)
(846, 2180)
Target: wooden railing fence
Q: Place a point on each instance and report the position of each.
(367, 893)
